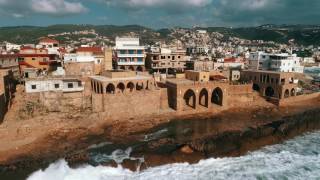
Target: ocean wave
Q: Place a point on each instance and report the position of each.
(295, 159)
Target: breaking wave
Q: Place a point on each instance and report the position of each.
(295, 159)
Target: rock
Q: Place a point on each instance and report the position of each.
(186, 149)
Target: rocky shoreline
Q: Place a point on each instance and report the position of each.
(189, 138)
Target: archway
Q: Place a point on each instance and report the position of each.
(269, 92)
(256, 87)
(139, 86)
(204, 98)
(190, 98)
(139, 68)
(130, 86)
(217, 96)
(101, 89)
(293, 92)
(110, 89)
(286, 93)
(131, 68)
(121, 87)
(122, 68)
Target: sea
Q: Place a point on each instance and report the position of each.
(298, 158)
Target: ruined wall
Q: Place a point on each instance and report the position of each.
(3, 107)
(297, 99)
(240, 94)
(64, 102)
(127, 105)
(164, 101)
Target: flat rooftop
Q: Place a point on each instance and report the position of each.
(267, 72)
(108, 79)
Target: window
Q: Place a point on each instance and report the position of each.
(163, 57)
(79, 84)
(70, 85)
(33, 59)
(98, 61)
(56, 86)
(33, 86)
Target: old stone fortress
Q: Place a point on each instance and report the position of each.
(128, 80)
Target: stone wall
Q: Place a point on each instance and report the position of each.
(240, 94)
(297, 99)
(128, 105)
(3, 107)
(64, 102)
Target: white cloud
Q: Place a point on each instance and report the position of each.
(21, 8)
(57, 7)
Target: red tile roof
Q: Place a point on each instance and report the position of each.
(90, 49)
(48, 40)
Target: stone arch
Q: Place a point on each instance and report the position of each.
(130, 86)
(131, 68)
(204, 98)
(190, 98)
(217, 96)
(121, 87)
(140, 68)
(293, 92)
(110, 89)
(256, 87)
(286, 93)
(269, 92)
(139, 86)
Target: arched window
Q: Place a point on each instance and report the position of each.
(293, 92)
(269, 92)
(139, 86)
(204, 98)
(286, 93)
(130, 86)
(121, 87)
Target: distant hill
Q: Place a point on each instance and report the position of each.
(302, 34)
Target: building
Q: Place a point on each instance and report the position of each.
(129, 55)
(51, 45)
(276, 85)
(12, 47)
(169, 61)
(34, 58)
(125, 94)
(7, 90)
(10, 62)
(65, 85)
(87, 55)
(275, 62)
(200, 65)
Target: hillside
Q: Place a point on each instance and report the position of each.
(302, 34)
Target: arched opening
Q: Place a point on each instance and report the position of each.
(286, 93)
(130, 86)
(269, 92)
(293, 92)
(101, 89)
(190, 98)
(204, 98)
(256, 87)
(217, 97)
(139, 86)
(139, 68)
(122, 68)
(121, 87)
(131, 68)
(110, 89)
(94, 87)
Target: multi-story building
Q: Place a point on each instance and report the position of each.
(275, 62)
(10, 61)
(129, 55)
(33, 58)
(166, 60)
(51, 45)
(87, 55)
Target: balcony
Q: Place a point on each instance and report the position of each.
(130, 55)
(131, 63)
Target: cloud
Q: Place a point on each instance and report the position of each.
(19, 8)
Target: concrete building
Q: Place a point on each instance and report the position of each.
(129, 55)
(169, 61)
(275, 62)
(53, 85)
(200, 65)
(12, 47)
(10, 62)
(276, 85)
(51, 45)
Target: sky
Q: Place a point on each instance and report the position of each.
(159, 13)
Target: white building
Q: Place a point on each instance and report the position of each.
(50, 44)
(53, 85)
(129, 54)
(11, 47)
(275, 62)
